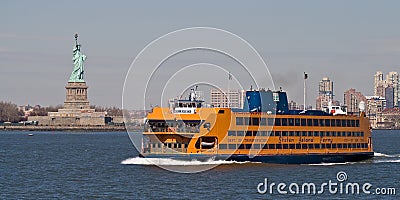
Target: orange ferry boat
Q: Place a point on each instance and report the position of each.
(265, 130)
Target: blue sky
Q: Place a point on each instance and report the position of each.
(348, 41)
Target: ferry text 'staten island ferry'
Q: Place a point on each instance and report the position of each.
(265, 130)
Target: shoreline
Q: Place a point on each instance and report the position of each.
(67, 128)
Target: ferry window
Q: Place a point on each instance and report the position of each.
(327, 122)
(298, 146)
(297, 122)
(297, 133)
(316, 134)
(239, 121)
(315, 122)
(255, 121)
(291, 146)
(304, 146)
(291, 133)
(254, 133)
(285, 146)
(333, 133)
(348, 123)
(333, 122)
(328, 146)
(246, 121)
(354, 145)
(284, 133)
(231, 133)
(353, 123)
(240, 133)
(169, 145)
(241, 146)
(221, 111)
(304, 133)
(284, 122)
(343, 134)
(278, 146)
(343, 122)
(353, 134)
(256, 146)
(357, 134)
(263, 133)
(357, 123)
(222, 146)
(263, 121)
(322, 146)
(277, 133)
(309, 122)
(310, 133)
(339, 146)
(317, 146)
(277, 121)
(186, 145)
(348, 134)
(270, 121)
(249, 133)
(248, 146)
(328, 134)
(303, 122)
(344, 146)
(321, 122)
(334, 146)
(232, 146)
(179, 145)
(265, 146)
(338, 122)
(291, 121)
(310, 146)
(271, 146)
(362, 134)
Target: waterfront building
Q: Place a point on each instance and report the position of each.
(352, 100)
(375, 106)
(231, 99)
(325, 93)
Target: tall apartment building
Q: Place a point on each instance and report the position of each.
(231, 99)
(393, 79)
(378, 78)
(385, 86)
(325, 93)
(352, 99)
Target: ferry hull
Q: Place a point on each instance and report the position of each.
(276, 159)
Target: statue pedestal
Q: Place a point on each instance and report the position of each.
(76, 96)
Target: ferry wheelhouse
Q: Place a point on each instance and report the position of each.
(265, 130)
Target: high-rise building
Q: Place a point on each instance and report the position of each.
(352, 99)
(325, 93)
(389, 96)
(393, 79)
(375, 106)
(231, 99)
(378, 78)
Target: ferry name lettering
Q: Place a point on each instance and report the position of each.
(281, 139)
(307, 140)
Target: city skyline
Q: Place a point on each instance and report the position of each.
(345, 41)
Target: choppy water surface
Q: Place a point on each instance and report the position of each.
(67, 165)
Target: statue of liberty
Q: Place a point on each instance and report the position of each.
(78, 59)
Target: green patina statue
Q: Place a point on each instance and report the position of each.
(79, 59)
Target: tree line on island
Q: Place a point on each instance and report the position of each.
(9, 112)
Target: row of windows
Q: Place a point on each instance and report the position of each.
(169, 145)
(294, 146)
(254, 121)
(297, 133)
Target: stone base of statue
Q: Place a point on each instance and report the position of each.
(76, 96)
